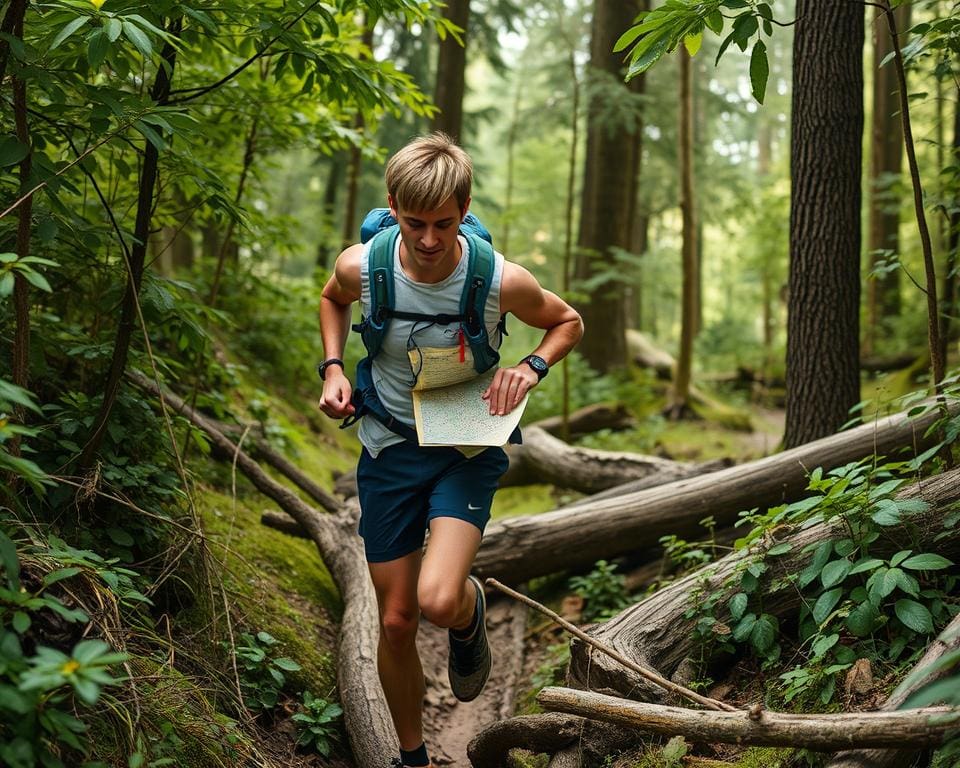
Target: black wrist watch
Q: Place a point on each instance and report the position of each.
(538, 364)
(322, 368)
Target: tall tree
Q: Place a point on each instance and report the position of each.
(822, 374)
(451, 73)
(886, 153)
(688, 320)
(607, 201)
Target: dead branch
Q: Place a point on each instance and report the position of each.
(919, 727)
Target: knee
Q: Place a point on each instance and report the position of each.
(440, 605)
(398, 627)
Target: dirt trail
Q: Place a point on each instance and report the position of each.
(449, 725)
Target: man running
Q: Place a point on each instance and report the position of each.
(406, 489)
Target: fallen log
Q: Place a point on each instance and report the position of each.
(924, 672)
(546, 459)
(645, 354)
(536, 733)
(823, 733)
(658, 633)
(366, 716)
(520, 548)
(590, 419)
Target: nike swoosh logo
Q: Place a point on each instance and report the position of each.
(471, 507)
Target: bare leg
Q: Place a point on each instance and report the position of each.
(401, 674)
(446, 598)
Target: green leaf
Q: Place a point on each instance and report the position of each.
(824, 644)
(97, 46)
(738, 604)
(12, 151)
(649, 57)
(136, 36)
(834, 573)
(21, 622)
(891, 580)
(287, 665)
(946, 691)
(764, 633)
(898, 558)
(36, 279)
(693, 42)
(759, 71)
(820, 557)
(780, 549)
(926, 562)
(10, 561)
(914, 616)
(744, 628)
(825, 604)
(113, 27)
(861, 620)
(867, 564)
(626, 38)
(886, 513)
(714, 21)
(7, 282)
(68, 30)
(59, 575)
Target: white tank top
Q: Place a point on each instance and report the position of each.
(393, 376)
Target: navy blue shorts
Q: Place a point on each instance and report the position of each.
(407, 486)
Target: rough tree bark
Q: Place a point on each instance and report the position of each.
(451, 73)
(366, 716)
(824, 733)
(823, 308)
(886, 154)
(657, 634)
(520, 548)
(610, 167)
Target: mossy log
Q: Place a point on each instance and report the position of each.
(521, 548)
(659, 634)
(824, 733)
(924, 672)
(367, 719)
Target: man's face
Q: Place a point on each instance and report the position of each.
(430, 237)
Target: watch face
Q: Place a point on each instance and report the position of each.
(538, 364)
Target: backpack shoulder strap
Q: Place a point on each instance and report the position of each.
(473, 301)
(380, 276)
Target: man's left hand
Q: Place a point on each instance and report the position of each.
(508, 388)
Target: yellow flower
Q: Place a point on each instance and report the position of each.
(97, 3)
(73, 665)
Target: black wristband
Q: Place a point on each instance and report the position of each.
(322, 368)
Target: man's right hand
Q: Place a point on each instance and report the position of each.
(335, 401)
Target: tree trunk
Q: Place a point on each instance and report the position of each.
(325, 254)
(658, 632)
(128, 314)
(517, 549)
(680, 394)
(366, 716)
(947, 641)
(950, 305)
(451, 73)
(886, 153)
(568, 225)
(822, 378)
(610, 168)
(824, 733)
(20, 364)
(355, 165)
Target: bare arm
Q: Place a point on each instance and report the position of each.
(341, 290)
(524, 297)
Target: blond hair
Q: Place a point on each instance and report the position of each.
(428, 170)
